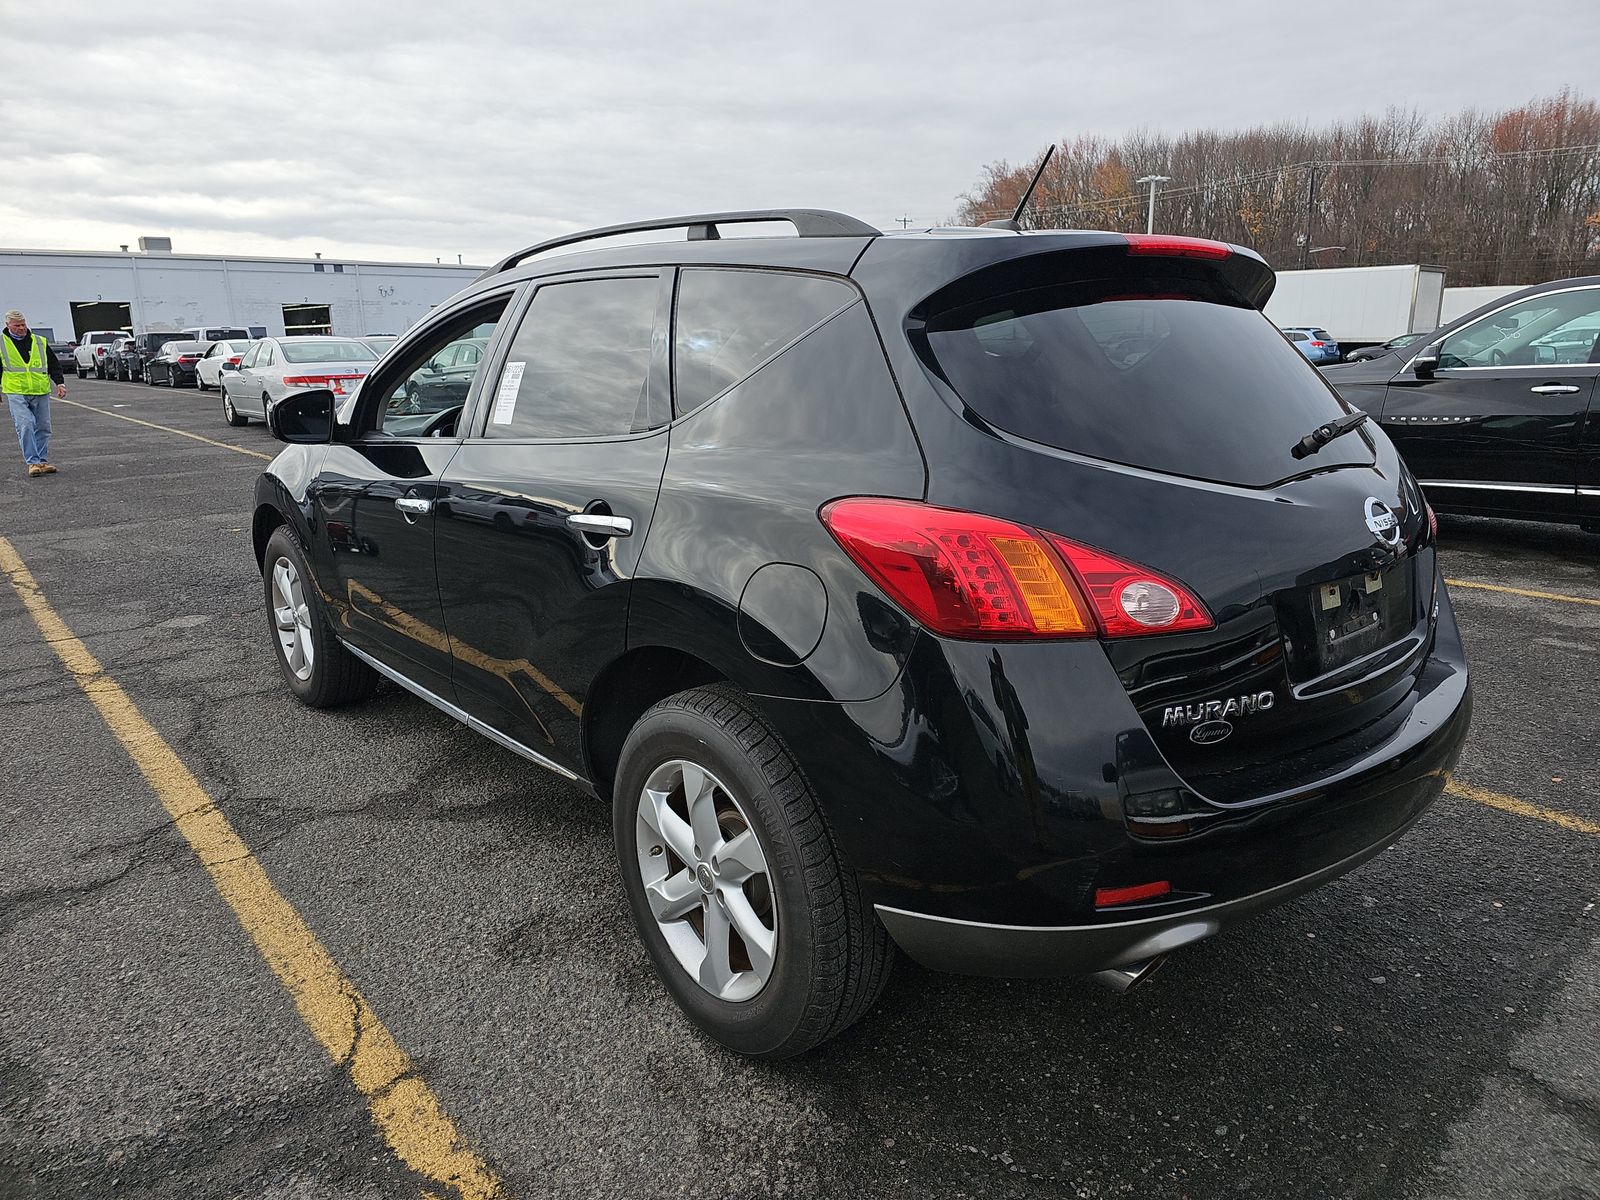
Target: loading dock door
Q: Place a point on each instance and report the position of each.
(89, 315)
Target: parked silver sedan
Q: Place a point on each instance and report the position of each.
(276, 367)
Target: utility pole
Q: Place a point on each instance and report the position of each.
(1152, 180)
(1311, 199)
(903, 222)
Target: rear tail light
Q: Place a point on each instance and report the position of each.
(235, 360)
(1433, 522)
(1317, 345)
(1176, 247)
(966, 575)
(334, 382)
(188, 358)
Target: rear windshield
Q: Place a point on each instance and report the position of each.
(1153, 372)
(304, 352)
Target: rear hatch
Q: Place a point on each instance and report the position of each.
(1140, 403)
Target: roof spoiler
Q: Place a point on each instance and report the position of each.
(807, 222)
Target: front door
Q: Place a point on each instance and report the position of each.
(543, 513)
(1498, 425)
(375, 509)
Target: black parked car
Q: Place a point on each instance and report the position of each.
(64, 350)
(1024, 601)
(122, 360)
(174, 364)
(1495, 411)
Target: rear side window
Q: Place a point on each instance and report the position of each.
(730, 322)
(579, 365)
(1158, 373)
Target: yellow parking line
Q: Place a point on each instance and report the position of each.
(168, 429)
(402, 1105)
(1495, 587)
(1510, 804)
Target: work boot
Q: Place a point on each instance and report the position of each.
(36, 469)
(47, 468)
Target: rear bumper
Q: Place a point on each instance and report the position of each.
(1039, 951)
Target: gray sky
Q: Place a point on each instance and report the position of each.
(415, 131)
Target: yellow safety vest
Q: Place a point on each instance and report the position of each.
(21, 377)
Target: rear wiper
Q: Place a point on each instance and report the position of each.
(1323, 434)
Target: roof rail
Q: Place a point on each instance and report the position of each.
(808, 222)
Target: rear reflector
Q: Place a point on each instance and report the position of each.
(1111, 897)
(965, 575)
(1176, 247)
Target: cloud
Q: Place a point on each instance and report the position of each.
(414, 131)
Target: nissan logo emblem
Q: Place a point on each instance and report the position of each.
(1385, 526)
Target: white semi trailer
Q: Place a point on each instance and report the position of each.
(1359, 306)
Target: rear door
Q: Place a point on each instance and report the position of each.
(543, 513)
(1497, 425)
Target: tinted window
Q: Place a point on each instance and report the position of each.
(730, 322)
(580, 363)
(1152, 372)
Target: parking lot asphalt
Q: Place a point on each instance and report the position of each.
(1427, 1026)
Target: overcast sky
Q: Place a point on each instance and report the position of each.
(415, 131)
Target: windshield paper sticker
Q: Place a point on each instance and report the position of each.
(505, 400)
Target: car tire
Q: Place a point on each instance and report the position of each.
(230, 414)
(318, 669)
(200, 383)
(827, 958)
(82, 374)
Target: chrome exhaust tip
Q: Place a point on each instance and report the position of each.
(1126, 978)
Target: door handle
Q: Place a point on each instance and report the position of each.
(414, 506)
(602, 523)
(1553, 389)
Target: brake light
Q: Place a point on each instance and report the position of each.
(1317, 345)
(334, 382)
(1433, 522)
(188, 358)
(1110, 897)
(1176, 247)
(966, 575)
(235, 360)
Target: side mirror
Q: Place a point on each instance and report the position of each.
(304, 419)
(228, 366)
(1427, 361)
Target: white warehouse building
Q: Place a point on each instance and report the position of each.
(71, 292)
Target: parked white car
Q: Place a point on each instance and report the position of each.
(276, 367)
(92, 350)
(208, 371)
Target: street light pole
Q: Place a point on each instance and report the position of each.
(1152, 180)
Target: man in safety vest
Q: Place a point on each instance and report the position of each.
(27, 369)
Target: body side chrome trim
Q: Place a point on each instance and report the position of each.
(1550, 488)
(462, 715)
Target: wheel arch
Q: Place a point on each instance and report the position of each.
(623, 692)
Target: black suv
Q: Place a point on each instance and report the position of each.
(1496, 411)
(1023, 601)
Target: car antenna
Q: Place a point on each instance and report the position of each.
(1012, 223)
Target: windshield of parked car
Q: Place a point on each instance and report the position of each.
(1152, 372)
(327, 351)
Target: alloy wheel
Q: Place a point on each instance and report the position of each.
(706, 880)
(292, 618)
